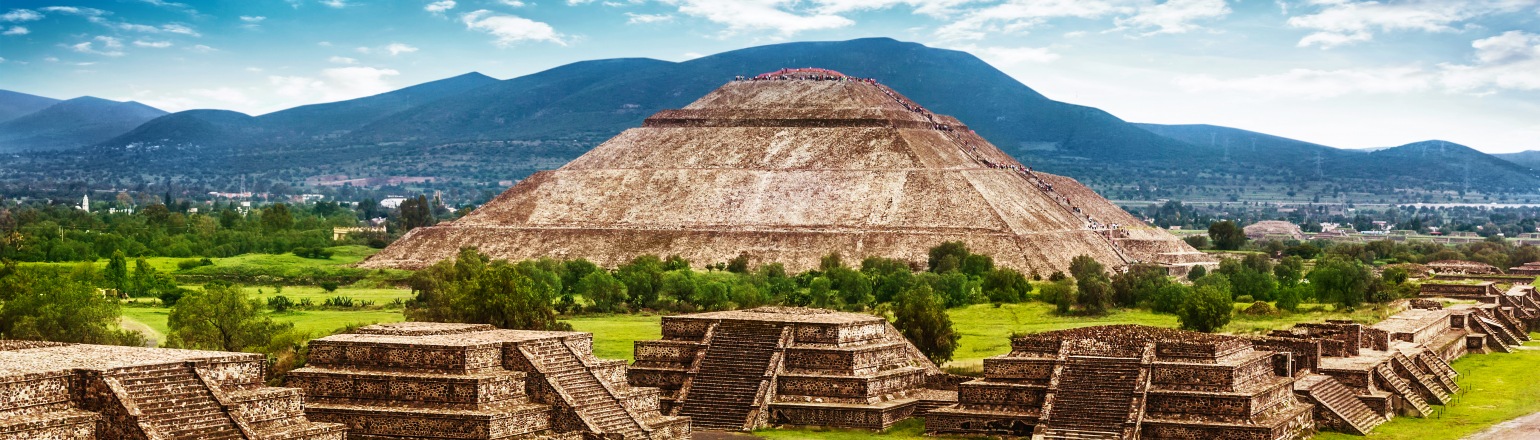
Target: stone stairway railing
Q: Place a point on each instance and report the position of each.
(1399, 386)
(177, 405)
(767, 387)
(730, 381)
(1500, 331)
(1341, 401)
(693, 369)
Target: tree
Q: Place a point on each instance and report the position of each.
(117, 272)
(1139, 284)
(1340, 280)
(739, 264)
(1197, 272)
(1060, 293)
(976, 265)
(643, 277)
(947, 256)
(1290, 270)
(415, 213)
(1226, 235)
(1083, 267)
(40, 305)
(1206, 310)
(221, 317)
(607, 293)
(920, 316)
(473, 289)
(855, 289)
(1093, 288)
(1197, 241)
(1170, 297)
(1006, 285)
(277, 218)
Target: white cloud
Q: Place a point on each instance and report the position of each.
(692, 55)
(179, 29)
(338, 4)
(20, 15)
(510, 29)
(1014, 16)
(225, 95)
(202, 49)
(757, 15)
(512, 3)
(648, 18)
(1315, 84)
(936, 8)
(1005, 56)
(154, 44)
(362, 49)
(335, 83)
(253, 18)
(399, 48)
(1174, 16)
(16, 30)
(109, 46)
(1507, 61)
(342, 60)
(1343, 22)
(439, 7)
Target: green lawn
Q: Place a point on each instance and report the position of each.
(614, 335)
(912, 429)
(1496, 387)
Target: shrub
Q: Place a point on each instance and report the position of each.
(1260, 308)
(329, 286)
(279, 303)
(1206, 310)
(340, 301)
(1244, 299)
(169, 297)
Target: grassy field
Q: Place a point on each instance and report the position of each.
(614, 334)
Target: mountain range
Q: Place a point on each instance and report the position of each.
(529, 122)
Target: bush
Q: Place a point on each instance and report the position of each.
(169, 297)
(1206, 310)
(192, 264)
(340, 301)
(1260, 308)
(1244, 299)
(329, 286)
(316, 253)
(279, 303)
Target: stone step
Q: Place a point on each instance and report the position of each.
(1400, 387)
(1342, 401)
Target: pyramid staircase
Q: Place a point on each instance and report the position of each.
(1435, 390)
(1496, 330)
(1096, 398)
(1440, 370)
(601, 409)
(174, 404)
(1341, 401)
(733, 382)
(1396, 384)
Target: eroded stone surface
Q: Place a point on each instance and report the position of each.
(789, 171)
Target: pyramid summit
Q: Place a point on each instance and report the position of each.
(787, 167)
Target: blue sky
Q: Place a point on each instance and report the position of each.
(1345, 73)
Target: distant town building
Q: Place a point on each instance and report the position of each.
(392, 202)
(341, 233)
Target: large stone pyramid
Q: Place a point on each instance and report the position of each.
(787, 167)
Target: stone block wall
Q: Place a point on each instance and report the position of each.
(444, 359)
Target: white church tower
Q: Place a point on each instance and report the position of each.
(85, 202)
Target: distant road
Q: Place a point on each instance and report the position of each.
(152, 338)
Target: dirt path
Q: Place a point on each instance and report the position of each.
(1527, 427)
(152, 338)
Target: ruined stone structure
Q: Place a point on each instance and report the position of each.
(1126, 382)
(739, 370)
(1360, 376)
(469, 381)
(788, 168)
(1462, 267)
(1274, 230)
(57, 391)
(1527, 269)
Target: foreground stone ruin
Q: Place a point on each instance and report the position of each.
(63, 391)
(468, 381)
(745, 369)
(1126, 381)
(791, 167)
